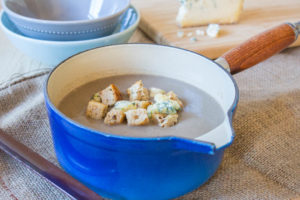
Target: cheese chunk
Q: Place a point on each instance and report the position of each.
(125, 105)
(213, 30)
(203, 12)
(155, 91)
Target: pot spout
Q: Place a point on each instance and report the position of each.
(220, 137)
(195, 146)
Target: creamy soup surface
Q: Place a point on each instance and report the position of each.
(200, 114)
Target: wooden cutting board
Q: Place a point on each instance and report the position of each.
(158, 22)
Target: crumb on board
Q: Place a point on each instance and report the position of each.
(213, 30)
(190, 34)
(193, 39)
(200, 32)
(180, 34)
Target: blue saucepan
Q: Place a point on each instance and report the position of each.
(121, 167)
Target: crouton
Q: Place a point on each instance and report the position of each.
(110, 95)
(155, 91)
(165, 120)
(142, 104)
(114, 117)
(138, 92)
(174, 97)
(158, 117)
(137, 117)
(96, 110)
(144, 95)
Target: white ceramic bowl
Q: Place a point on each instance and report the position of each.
(63, 20)
(53, 52)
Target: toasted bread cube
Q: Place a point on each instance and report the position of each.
(158, 117)
(155, 91)
(96, 110)
(138, 92)
(110, 95)
(165, 120)
(114, 117)
(145, 95)
(174, 97)
(142, 104)
(137, 117)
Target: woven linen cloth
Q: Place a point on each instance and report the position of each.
(262, 163)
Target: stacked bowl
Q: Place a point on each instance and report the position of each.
(52, 30)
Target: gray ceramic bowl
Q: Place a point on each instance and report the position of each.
(54, 52)
(65, 20)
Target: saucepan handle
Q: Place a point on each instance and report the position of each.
(259, 47)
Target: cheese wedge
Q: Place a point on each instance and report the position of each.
(203, 12)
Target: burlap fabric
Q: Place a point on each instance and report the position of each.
(262, 163)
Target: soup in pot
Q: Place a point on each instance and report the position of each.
(200, 113)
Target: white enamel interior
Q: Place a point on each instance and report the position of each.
(153, 60)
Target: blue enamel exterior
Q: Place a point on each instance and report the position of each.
(121, 167)
(130, 169)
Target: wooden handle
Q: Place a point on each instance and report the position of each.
(56, 176)
(259, 47)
